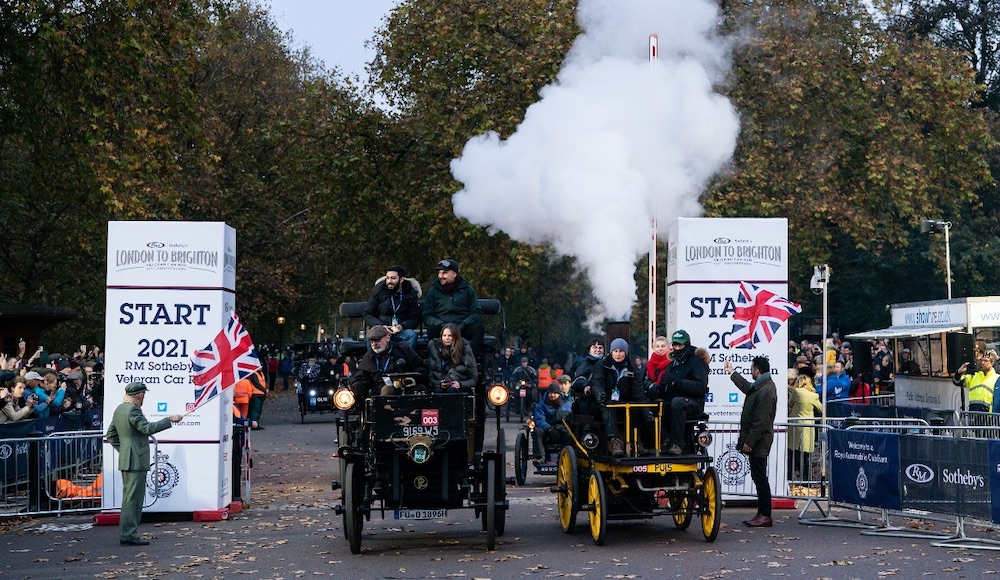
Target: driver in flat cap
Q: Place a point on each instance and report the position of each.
(129, 434)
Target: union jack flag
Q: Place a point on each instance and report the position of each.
(231, 356)
(759, 314)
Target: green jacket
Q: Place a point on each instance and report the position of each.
(461, 307)
(129, 435)
(757, 419)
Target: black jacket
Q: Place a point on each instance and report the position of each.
(380, 307)
(608, 374)
(399, 359)
(757, 419)
(685, 376)
(461, 306)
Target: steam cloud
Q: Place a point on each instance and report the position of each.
(613, 138)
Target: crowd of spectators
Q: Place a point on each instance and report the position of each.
(45, 384)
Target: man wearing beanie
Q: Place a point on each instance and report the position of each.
(452, 299)
(615, 380)
(393, 303)
(682, 386)
(549, 413)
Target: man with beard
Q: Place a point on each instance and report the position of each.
(383, 359)
(757, 430)
(452, 299)
(393, 304)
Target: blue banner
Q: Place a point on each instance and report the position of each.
(864, 468)
(946, 475)
(994, 451)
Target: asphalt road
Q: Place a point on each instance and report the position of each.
(291, 531)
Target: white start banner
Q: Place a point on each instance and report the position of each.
(726, 281)
(170, 290)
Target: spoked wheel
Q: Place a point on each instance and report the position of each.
(711, 500)
(521, 458)
(682, 512)
(567, 479)
(597, 496)
(352, 491)
(491, 508)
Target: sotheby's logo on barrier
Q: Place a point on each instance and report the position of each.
(946, 475)
(864, 468)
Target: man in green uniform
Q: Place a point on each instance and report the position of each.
(129, 435)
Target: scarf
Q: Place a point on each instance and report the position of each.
(760, 380)
(656, 365)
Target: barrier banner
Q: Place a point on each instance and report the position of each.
(946, 475)
(864, 468)
(932, 416)
(841, 409)
(994, 447)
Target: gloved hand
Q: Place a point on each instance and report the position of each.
(668, 380)
(601, 396)
(653, 392)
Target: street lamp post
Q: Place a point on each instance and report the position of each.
(936, 227)
(820, 283)
(281, 337)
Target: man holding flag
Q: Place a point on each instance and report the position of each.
(129, 434)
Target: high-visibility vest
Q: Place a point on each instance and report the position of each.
(544, 377)
(981, 387)
(257, 381)
(241, 396)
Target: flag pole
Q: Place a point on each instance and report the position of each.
(651, 330)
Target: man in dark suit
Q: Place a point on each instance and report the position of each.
(129, 435)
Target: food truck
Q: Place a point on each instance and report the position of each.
(928, 342)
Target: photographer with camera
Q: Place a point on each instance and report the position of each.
(47, 391)
(615, 380)
(14, 404)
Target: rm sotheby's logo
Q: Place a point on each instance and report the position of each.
(919, 473)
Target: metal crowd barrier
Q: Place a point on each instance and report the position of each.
(39, 472)
(795, 474)
(57, 474)
(971, 425)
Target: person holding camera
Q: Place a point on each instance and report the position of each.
(615, 380)
(452, 364)
(14, 405)
(47, 392)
